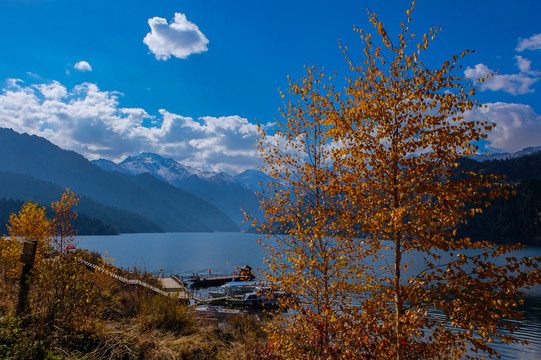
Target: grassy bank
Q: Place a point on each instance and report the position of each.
(75, 313)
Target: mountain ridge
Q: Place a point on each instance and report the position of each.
(36, 157)
(194, 200)
(232, 195)
(507, 155)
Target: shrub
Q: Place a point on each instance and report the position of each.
(166, 313)
(17, 345)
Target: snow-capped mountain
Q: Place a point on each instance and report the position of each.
(254, 180)
(224, 191)
(164, 169)
(503, 156)
(38, 170)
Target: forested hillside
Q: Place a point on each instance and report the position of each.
(518, 218)
(25, 188)
(84, 224)
(36, 157)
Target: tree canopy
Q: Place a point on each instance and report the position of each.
(367, 187)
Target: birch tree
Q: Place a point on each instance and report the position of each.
(368, 186)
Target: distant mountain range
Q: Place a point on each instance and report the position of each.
(150, 193)
(154, 205)
(505, 156)
(232, 195)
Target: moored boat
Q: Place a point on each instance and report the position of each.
(265, 298)
(234, 288)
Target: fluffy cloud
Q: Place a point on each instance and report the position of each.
(517, 125)
(514, 84)
(181, 38)
(91, 122)
(54, 90)
(479, 71)
(531, 43)
(83, 66)
(523, 64)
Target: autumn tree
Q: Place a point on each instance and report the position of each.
(368, 195)
(30, 223)
(63, 292)
(67, 293)
(306, 258)
(62, 222)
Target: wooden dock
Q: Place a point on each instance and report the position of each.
(206, 281)
(245, 274)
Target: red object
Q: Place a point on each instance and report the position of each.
(69, 247)
(209, 271)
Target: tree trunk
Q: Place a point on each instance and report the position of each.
(398, 300)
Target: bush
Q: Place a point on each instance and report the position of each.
(165, 313)
(15, 343)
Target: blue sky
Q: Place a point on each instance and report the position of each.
(190, 79)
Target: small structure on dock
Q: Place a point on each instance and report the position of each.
(172, 285)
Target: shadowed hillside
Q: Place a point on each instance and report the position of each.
(38, 158)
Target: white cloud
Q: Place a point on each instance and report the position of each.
(531, 43)
(523, 64)
(83, 66)
(479, 71)
(514, 84)
(91, 122)
(517, 125)
(181, 38)
(54, 90)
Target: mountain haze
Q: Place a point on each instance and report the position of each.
(26, 188)
(507, 155)
(232, 195)
(36, 157)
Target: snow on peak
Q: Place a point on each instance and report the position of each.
(504, 156)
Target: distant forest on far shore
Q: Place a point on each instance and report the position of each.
(516, 219)
(84, 225)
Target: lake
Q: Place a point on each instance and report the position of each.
(186, 253)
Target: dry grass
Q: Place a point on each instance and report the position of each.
(130, 323)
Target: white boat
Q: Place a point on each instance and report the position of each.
(234, 289)
(265, 298)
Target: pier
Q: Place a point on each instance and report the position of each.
(245, 274)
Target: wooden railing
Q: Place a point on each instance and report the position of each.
(181, 295)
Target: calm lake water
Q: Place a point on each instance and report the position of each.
(186, 253)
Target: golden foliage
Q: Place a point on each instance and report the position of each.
(63, 291)
(63, 220)
(30, 223)
(366, 186)
(65, 294)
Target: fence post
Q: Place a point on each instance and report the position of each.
(27, 258)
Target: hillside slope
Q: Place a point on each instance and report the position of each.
(38, 158)
(516, 219)
(226, 192)
(25, 188)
